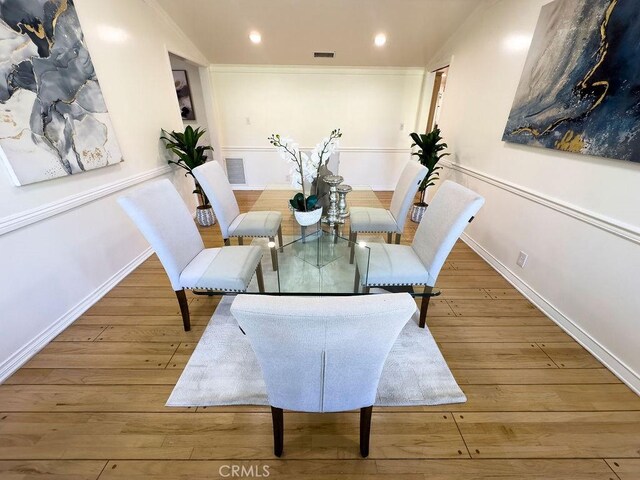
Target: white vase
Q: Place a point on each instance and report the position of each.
(308, 218)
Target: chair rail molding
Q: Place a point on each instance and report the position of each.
(19, 358)
(34, 215)
(604, 355)
(610, 225)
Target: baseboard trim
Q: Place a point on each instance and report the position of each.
(607, 224)
(613, 363)
(19, 358)
(28, 217)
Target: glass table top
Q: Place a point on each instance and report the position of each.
(319, 263)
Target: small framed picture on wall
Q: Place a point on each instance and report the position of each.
(181, 82)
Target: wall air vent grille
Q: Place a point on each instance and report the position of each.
(235, 171)
(324, 54)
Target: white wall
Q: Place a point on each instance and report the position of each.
(576, 216)
(306, 103)
(64, 243)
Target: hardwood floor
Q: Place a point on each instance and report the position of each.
(91, 404)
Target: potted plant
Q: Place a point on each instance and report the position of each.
(306, 209)
(191, 155)
(430, 145)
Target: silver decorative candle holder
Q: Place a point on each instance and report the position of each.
(333, 213)
(342, 200)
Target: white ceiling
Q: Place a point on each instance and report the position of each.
(293, 29)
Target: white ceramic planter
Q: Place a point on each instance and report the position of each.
(308, 218)
(205, 216)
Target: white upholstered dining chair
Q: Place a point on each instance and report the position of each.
(160, 214)
(322, 354)
(451, 209)
(380, 220)
(215, 184)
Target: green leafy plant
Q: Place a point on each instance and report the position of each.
(300, 204)
(430, 145)
(190, 155)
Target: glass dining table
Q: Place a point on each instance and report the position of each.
(317, 262)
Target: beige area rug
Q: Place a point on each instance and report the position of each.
(223, 369)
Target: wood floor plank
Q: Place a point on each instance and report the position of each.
(530, 376)
(135, 306)
(51, 469)
(58, 360)
(494, 355)
(551, 434)
(570, 355)
(504, 294)
(277, 469)
(493, 308)
(141, 320)
(490, 469)
(93, 376)
(494, 321)
(584, 469)
(472, 281)
(80, 333)
(510, 334)
(550, 397)
(625, 468)
(86, 398)
(160, 333)
(463, 293)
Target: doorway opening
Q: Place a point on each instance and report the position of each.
(439, 86)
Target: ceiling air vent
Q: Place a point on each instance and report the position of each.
(235, 171)
(324, 54)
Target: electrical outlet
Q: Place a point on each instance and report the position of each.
(522, 259)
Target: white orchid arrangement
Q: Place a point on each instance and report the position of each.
(303, 166)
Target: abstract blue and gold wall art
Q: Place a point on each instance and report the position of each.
(53, 119)
(580, 87)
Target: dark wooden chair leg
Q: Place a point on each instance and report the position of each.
(398, 235)
(389, 237)
(424, 306)
(277, 418)
(365, 430)
(240, 240)
(184, 309)
(226, 242)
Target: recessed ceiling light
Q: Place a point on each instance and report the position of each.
(255, 37)
(380, 39)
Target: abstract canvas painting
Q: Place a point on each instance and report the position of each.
(183, 91)
(53, 118)
(580, 88)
